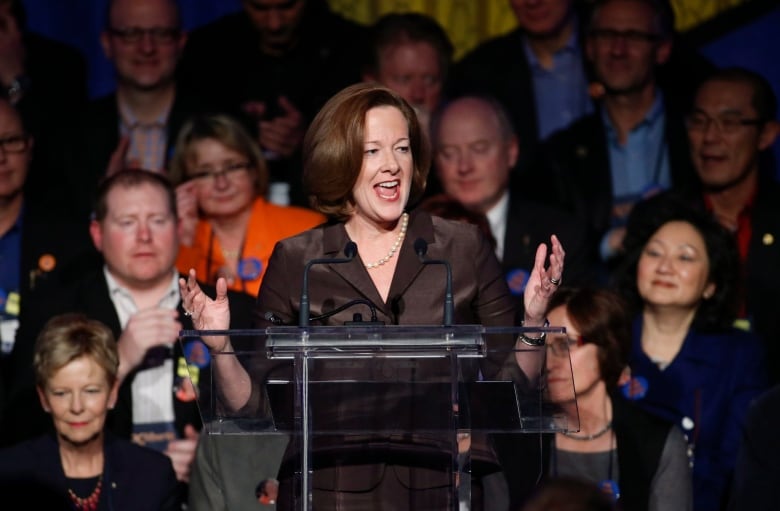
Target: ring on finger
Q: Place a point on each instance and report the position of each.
(555, 282)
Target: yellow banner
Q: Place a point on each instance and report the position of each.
(469, 22)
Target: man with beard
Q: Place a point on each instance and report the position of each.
(634, 145)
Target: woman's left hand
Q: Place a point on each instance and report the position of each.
(543, 282)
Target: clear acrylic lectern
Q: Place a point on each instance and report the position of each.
(427, 397)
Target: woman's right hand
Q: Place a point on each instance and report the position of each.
(206, 313)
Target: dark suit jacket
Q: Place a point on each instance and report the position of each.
(50, 243)
(98, 136)
(57, 91)
(640, 439)
(89, 294)
(499, 67)
(757, 469)
(325, 59)
(573, 168)
(530, 223)
(134, 478)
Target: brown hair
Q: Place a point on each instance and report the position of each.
(131, 178)
(333, 147)
(228, 132)
(603, 319)
(67, 337)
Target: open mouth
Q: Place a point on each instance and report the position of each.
(388, 189)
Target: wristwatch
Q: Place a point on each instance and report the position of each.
(535, 341)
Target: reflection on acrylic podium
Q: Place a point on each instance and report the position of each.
(426, 398)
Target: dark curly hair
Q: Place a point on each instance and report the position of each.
(713, 314)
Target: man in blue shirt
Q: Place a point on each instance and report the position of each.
(537, 71)
(634, 145)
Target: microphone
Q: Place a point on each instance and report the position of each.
(350, 251)
(421, 248)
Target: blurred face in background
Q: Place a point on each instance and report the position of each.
(78, 396)
(276, 22)
(725, 133)
(139, 237)
(413, 70)
(15, 153)
(674, 267)
(561, 348)
(474, 156)
(625, 46)
(224, 183)
(543, 18)
(144, 41)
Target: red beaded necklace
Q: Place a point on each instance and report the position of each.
(89, 503)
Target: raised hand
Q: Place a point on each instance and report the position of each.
(283, 134)
(543, 281)
(206, 313)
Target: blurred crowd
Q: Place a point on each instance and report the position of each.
(591, 120)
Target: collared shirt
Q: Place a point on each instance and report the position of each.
(561, 93)
(148, 141)
(152, 387)
(641, 166)
(743, 231)
(497, 219)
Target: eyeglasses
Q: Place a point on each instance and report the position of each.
(226, 171)
(132, 35)
(609, 35)
(14, 143)
(726, 124)
(560, 344)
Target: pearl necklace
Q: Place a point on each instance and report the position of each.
(394, 248)
(592, 436)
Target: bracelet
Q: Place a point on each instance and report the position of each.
(535, 341)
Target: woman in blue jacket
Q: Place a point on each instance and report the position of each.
(689, 364)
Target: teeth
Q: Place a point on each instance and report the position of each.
(389, 185)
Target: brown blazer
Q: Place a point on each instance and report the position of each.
(389, 468)
(416, 296)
